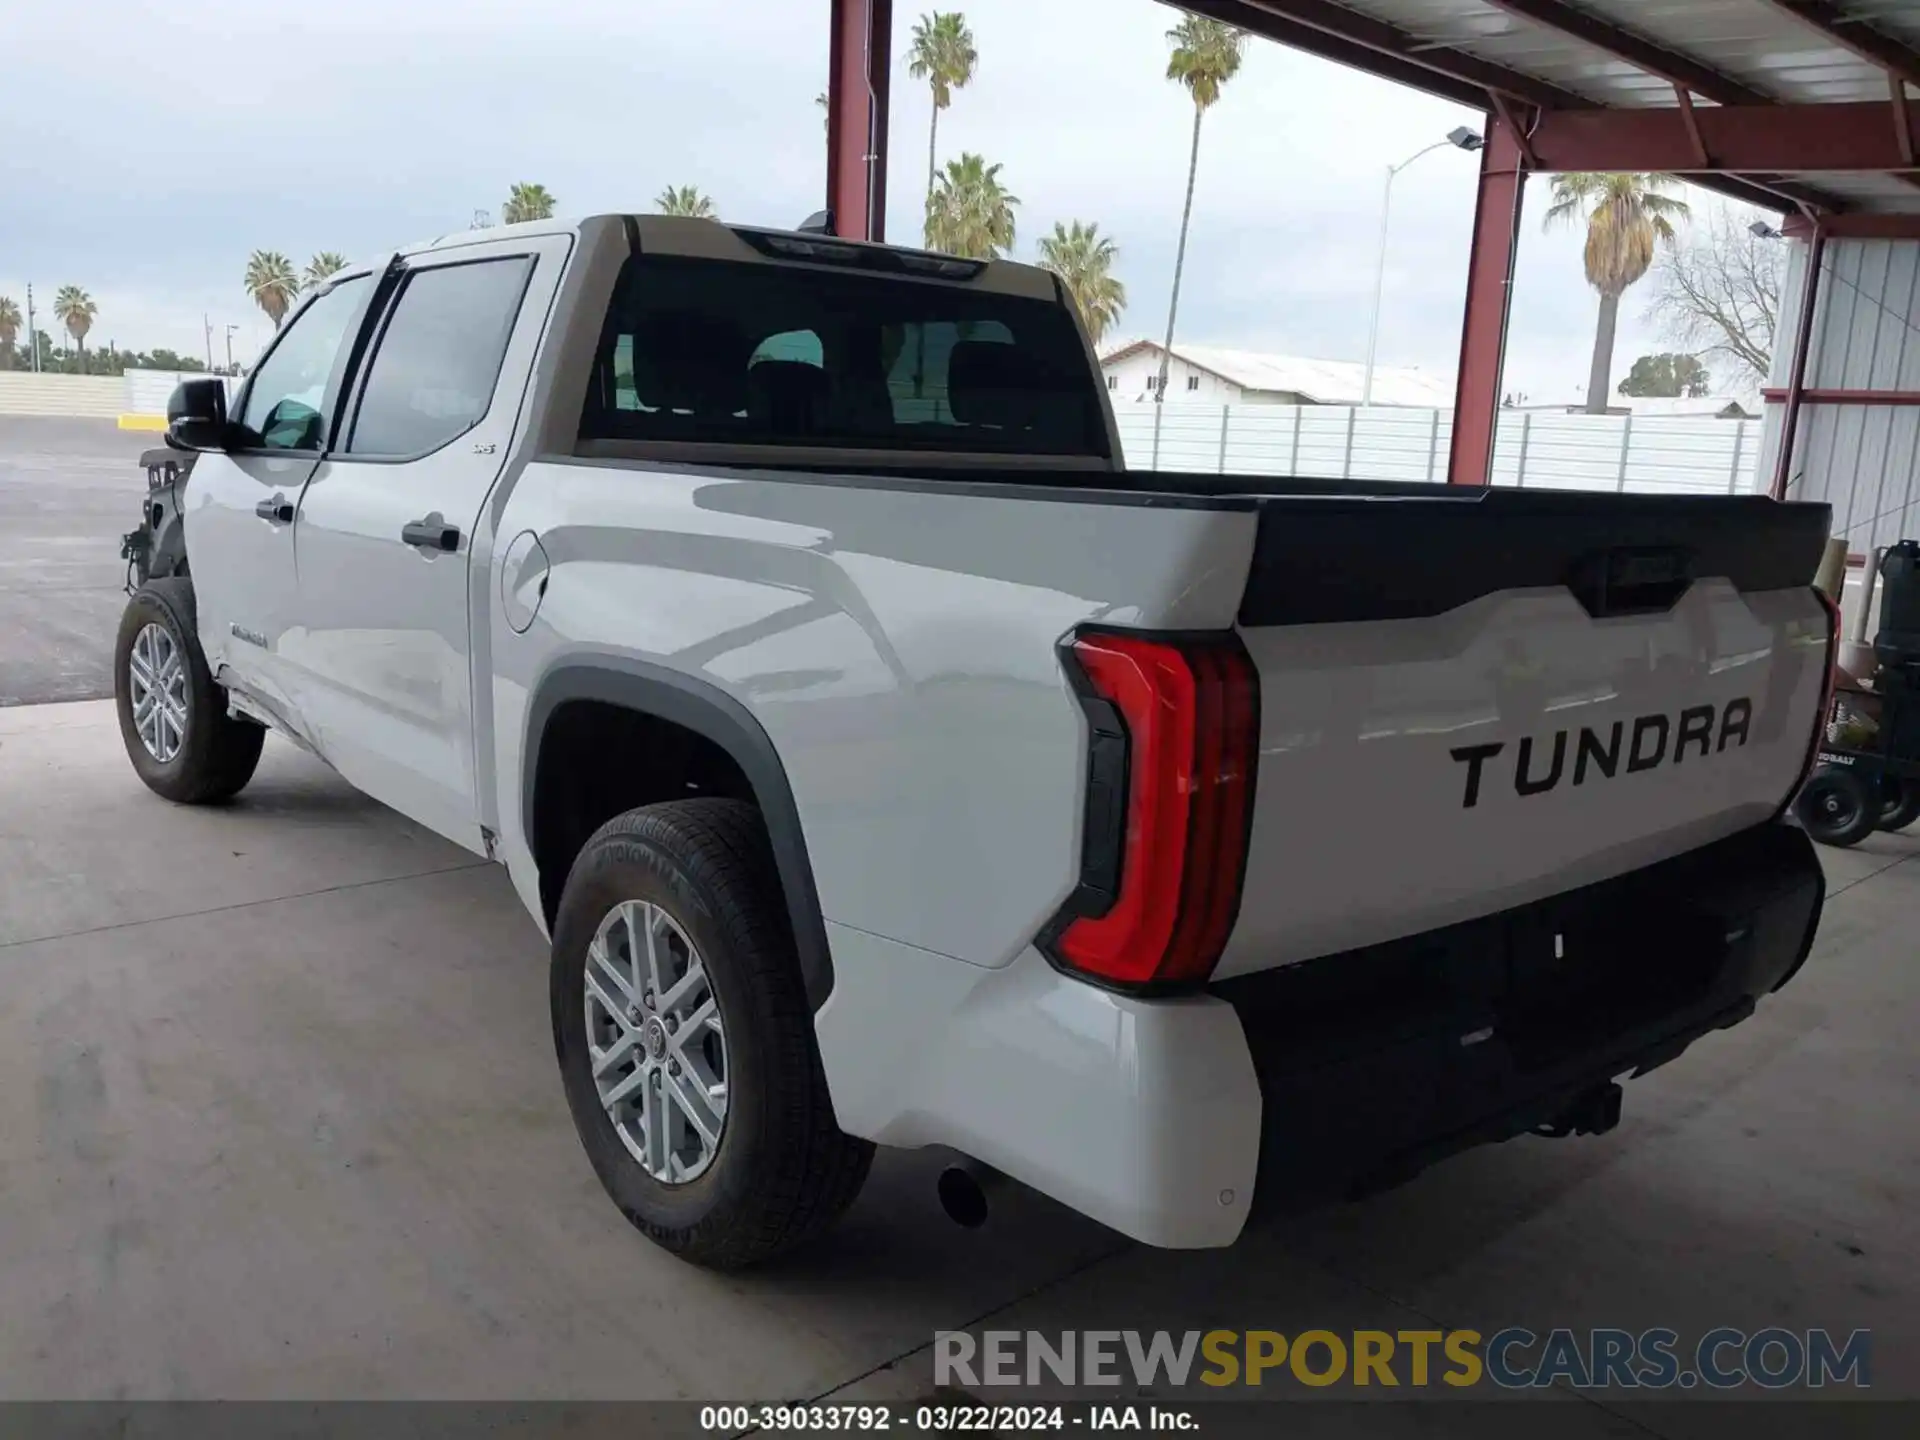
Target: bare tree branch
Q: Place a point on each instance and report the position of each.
(1719, 291)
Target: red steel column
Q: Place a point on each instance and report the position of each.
(1802, 345)
(1483, 334)
(857, 72)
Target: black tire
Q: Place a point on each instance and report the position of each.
(217, 754)
(1835, 807)
(782, 1170)
(1899, 802)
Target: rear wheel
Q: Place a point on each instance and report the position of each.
(1836, 808)
(173, 717)
(1899, 802)
(685, 1040)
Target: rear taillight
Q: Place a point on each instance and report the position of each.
(1830, 683)
(1173, 729)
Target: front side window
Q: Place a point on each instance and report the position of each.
(722, 352)
(433, 372)
(287, 398)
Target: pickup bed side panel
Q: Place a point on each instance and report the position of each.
(898, 646)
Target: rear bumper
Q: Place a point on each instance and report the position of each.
(1317, 1080)
(1375, 1063)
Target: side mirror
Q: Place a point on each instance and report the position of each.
(197, 415)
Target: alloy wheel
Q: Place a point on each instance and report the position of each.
(655, 1041)
(157, 687)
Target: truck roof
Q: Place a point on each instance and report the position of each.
(723, 240)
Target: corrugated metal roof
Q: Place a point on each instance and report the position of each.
(1878, 193)
(1746, 40)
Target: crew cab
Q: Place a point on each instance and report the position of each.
(887, 764)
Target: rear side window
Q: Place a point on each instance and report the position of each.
(432, 375)
(790, 355)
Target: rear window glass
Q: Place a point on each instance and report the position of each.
(713, 351)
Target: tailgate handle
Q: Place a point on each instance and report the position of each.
(1631, 581)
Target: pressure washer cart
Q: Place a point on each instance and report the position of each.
(1867, 776)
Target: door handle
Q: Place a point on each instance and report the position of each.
(431, 532)
(279, 510)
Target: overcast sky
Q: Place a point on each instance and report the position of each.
(147, 146)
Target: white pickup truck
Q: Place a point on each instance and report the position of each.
(889, 765)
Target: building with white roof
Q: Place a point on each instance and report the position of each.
(1217, 375)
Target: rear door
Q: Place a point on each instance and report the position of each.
(240, 503)
(381, 658)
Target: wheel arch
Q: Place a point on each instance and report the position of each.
(707, 711)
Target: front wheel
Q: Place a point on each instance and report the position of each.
(1836, 808)
(173, 717)
(685, 1040)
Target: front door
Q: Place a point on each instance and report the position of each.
(381, 657)
(240, 502)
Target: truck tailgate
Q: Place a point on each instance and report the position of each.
(1470, 704)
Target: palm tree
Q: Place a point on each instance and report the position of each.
(942, 54)
(968, 211)
(1083, 259)
(1206, 55)
(685, 200)
(527, 202)
(1626, 215)
(326, 263)
(75, 309)
(273, 283)
(10, 323)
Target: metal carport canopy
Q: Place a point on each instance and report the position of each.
(1801, 106)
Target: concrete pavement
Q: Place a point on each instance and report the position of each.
(279, 1118)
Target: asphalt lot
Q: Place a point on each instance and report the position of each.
(279, 1117)
(69, 489)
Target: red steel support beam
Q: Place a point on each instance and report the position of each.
(1902, 117)
(1813, 395)
(1685, 101)
(858, 68)
(1676, 69)
(1743, 139)
(1483, 333)
(1797, 374)
(1857, 227)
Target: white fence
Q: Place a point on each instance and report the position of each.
(149, 390)
(1534, 448)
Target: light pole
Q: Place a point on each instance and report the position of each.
(230, 330)
(1461, 138)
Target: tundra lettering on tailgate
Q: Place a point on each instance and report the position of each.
(1646, 742)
